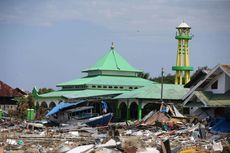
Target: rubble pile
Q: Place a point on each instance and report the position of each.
(157, 132)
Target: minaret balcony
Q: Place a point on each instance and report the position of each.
(182, 68)
(184, 37)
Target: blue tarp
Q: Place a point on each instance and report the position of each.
(221, 125)
(62, 106)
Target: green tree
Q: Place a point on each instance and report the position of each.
(169, 78)
(24, 103)
(144, 75)
(22, 107)
(44, 90)
(31, 101)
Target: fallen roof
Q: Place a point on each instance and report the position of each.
(209, 99)
(62, 106)
(197, 76)
(225, 68)
(170, 91)
(78, 109)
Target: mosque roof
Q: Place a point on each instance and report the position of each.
(101, 84)
(153, 91)
(112, 61)
(75, 94)
(108, 80)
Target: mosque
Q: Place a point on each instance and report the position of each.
(113, 80)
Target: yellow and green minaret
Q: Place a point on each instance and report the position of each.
(182, 67)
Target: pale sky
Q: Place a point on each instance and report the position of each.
(46, 42)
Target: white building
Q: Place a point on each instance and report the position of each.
(210, 92)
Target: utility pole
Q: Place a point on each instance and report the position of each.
(162, 81)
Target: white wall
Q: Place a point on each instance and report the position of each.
(6, 107)
(221, 84)
(48, 101)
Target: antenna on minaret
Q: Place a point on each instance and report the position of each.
(113, 46)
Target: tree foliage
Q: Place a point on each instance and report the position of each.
(169, 78)
(28, 102)
(24, 103)
(144, 75)
(44, 90)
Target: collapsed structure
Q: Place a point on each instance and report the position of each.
(209, 96)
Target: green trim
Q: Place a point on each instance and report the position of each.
(107, 80)
(139, 109)
(184, 37)
(37, 96)
(1, 114)
(117, 111)
(128, 111)
(182, 68)
(128, 114)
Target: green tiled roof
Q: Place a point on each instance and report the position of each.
(170, 91)
(108, 80)
(80, 93)
(112, 61)
(214, 100)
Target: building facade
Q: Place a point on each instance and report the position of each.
(114, 80)
(8, 95)
(111, 76)
(210, 92)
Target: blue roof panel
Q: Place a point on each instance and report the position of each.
(62, 106)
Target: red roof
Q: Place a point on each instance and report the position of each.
(8, 91)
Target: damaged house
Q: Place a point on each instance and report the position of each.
(8, 95)
(209, 94)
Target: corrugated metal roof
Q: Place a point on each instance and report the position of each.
(8, 91)
(214, 100)
(108, 80)
(211, 74)
(112, 61)
(197, 76)
(80, 93)
(226, 68)
(170, 91)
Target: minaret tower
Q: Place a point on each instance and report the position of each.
(182, 67)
